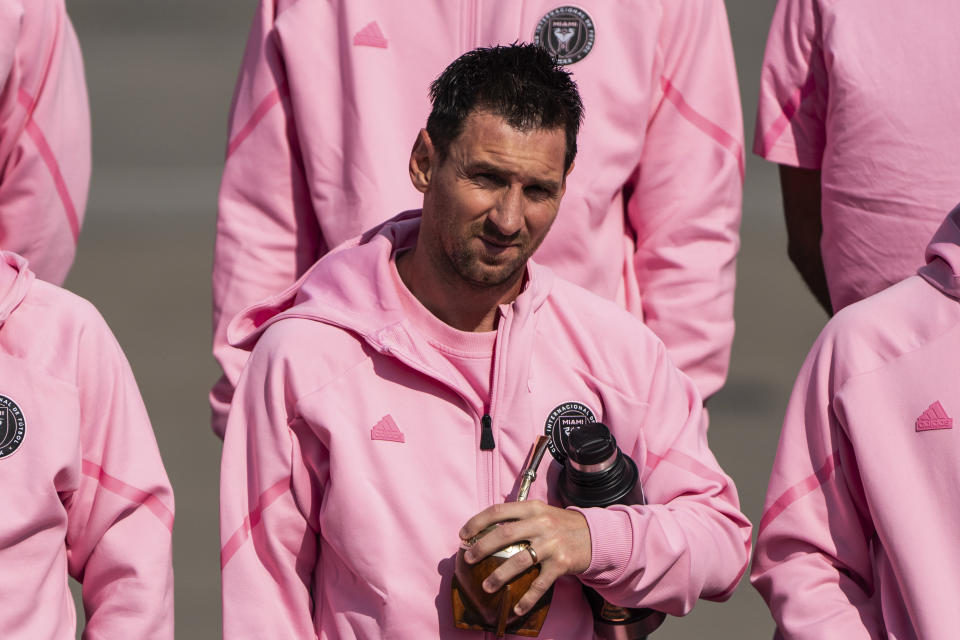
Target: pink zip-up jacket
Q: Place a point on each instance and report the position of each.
(44, 135)
(332, 94)
(860, 536)
(84, 491)
(352, 457)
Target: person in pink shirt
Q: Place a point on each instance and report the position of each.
(327, 90)
(44, 136)
(859, 533)
(860, 107)
(84, 490)
(392, 395)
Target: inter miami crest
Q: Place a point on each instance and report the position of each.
(561, 421)
(567, 33)
(11, 426)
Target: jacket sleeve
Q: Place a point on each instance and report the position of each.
(44, 136)
(685, 205)
(120, 518)
(267, 232)
(269, 507)
(813, 564)
(690, 541)
(791, 113)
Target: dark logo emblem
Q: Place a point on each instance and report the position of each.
(567, 33)
(561, 421)
(11, 426)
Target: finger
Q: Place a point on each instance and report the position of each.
(537, 589)
(496, 513)
(502, 535)
(509, 570)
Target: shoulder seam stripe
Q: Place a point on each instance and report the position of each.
(131, 493)
(50, 160)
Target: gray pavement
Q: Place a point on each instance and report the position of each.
(161, 76)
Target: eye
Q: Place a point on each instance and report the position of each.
(488, 180)
(538, 193)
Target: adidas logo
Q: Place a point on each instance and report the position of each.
(934, 418)
(386, 429)
(370, 36)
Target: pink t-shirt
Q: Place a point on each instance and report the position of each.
(868, 92)
(470, 353)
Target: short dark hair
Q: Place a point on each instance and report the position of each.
(521, 83)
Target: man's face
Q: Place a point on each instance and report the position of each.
(490, 202)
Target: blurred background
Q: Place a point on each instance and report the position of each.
(160, 76)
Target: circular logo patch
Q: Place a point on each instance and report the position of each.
(11, 426)
(561, 421)
(567, 33)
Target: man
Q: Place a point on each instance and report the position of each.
(392, 396)
(328, 88)
(859, 535)
(859, 108)
(84, 490)
(44, 136)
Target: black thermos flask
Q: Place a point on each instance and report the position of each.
(597, 474)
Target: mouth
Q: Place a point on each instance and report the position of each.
(494, 246)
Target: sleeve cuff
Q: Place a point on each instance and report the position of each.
(611, 544)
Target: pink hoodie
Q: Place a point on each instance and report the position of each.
(859, 537)
(332, 94)
(44, 135)
(84, 490)
(868, 93)
(352, 458)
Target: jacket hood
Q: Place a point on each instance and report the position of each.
(15, 281)
(352, 287)
(943, 256)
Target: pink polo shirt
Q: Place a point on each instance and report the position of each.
(868, 92)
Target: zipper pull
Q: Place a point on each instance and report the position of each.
(486, 434)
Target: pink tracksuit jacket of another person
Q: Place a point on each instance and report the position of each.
(867, 91)
(44, 135)
(352, 457)
(332, 94)
(84, 490)
(860, 536)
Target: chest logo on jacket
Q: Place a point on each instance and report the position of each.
(11, 426)
(566, 32)
(561, 421)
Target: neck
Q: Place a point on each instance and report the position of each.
(455, 302)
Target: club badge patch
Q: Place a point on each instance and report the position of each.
(566, 32)
(12, 426)
(561, 421)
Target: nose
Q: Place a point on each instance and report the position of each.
(507, 216)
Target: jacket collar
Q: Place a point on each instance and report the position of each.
(15, 281)
(943, 256)
(351, 287)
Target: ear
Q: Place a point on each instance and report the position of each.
(422, 158)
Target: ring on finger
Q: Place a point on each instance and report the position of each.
(533, 554)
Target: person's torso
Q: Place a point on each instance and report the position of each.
(379, 60)
(900, 419)
(891, 165)
(40, 468)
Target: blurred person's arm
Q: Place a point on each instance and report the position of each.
(267, 232)
(813, 563)
(269, 503)
(801, 210)
(685, 204)
(120, 519)
(790, 131)
(44, 136)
